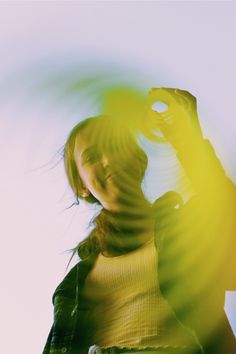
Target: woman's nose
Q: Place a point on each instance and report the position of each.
(105, 161)
(110, 158)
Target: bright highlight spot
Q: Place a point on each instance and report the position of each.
(159, 107)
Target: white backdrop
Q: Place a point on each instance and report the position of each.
(189, 45)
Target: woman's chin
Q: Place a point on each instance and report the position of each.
(114, 198)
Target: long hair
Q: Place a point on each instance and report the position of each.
(106, 233)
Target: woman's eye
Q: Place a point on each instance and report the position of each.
(91, 158)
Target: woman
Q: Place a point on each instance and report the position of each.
(151, 278)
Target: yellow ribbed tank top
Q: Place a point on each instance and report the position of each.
(124, 306)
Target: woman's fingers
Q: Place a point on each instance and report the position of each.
(179, 121)
(171, 96)
(161, 94)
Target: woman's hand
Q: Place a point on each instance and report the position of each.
(179, 123)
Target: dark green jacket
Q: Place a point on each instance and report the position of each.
(196, 261)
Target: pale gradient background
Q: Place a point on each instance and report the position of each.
(189, 45)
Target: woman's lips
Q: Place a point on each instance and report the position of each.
(110, 175)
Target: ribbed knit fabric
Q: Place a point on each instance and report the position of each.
(124, 307)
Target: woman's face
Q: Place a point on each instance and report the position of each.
(111, 174)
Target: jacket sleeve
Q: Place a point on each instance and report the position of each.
(205, 172)
(64, 302)
(47, 346)
(197, 260)
(213, 209)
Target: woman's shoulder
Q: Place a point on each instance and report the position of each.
(166, 203)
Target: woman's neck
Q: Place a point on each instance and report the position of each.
(133, 226)
(131, 202)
